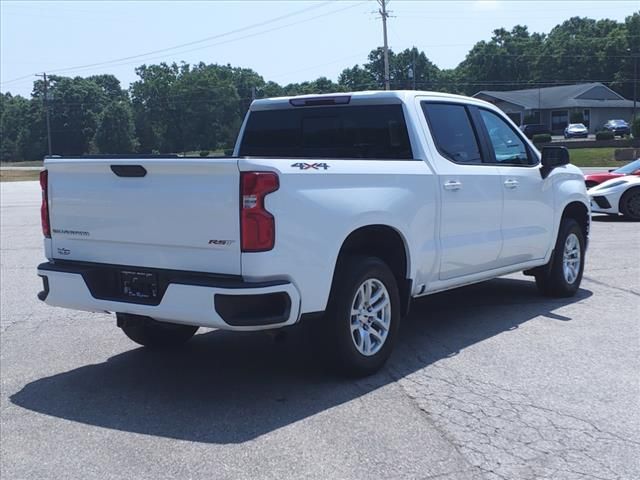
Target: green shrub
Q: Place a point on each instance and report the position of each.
(228, 152)
(635, 127)
(204, 153)
(542, 138)
(604, 135)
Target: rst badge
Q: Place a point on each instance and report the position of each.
(221, 243)
(310, 166)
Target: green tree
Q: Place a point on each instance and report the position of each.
(503, 63)
(14, 123)
(203, 108)
(110, 85)
(75, 107)
(624, 76)
(317, 86)
(582, 49)
(270, 89)
(357, 78)
(150, 96)
(181, 108)
(414, 62)
(401, 66)
(116, 132)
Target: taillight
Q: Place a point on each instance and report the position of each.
(44, 207)
(257, 225)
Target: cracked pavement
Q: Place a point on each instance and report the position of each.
(487, 382)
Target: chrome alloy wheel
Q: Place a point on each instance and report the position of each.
(370, 317)
(571, 258)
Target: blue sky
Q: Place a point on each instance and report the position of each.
(284, 41)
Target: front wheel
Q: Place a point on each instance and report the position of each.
(153, 334)
(362, 317)
(561, 277)
(630, 204)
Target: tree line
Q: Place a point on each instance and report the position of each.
(180, 107)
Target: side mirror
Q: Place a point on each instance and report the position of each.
(553, 157)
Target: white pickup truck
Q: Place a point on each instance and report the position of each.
(341, 208)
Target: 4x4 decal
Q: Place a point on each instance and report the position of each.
(307, 166)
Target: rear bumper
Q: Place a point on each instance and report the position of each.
(185, 297)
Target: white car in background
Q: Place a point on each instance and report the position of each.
(576, 130)
(617, 196)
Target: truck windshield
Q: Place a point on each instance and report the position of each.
(336, 132)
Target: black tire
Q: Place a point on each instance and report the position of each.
(551, 279)
(630, 204)
(153, 334)
(344, 356)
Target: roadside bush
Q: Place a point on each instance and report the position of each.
(635, 127)
(604, 135)
(228, 152)
(204, 153)
(542, 138)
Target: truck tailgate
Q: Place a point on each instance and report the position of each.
(182, 214)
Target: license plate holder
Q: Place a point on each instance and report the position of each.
(135, 284)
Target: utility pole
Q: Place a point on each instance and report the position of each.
(414, 68)
(45, 101)
(635, 85)
(384, 14)
(635, 56)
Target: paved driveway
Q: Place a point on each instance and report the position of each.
(487, 382)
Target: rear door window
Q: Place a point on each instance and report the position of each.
(453, 132)
(340, 132)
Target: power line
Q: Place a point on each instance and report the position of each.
(262, 32)
(560, 55)
(118, 61)
(195, 42)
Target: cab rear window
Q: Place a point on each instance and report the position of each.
(335, 132)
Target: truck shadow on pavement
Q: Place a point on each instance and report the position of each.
(611, 218)
(227, 387)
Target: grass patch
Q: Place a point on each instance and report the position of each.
(594, 157)
(19, 175)
(30, 163)
(196, 153)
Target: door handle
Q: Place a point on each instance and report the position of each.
(452, 185)
(129, 170)
(511, 183)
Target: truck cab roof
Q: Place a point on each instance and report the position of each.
(370, 97)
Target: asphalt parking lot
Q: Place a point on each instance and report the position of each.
(487, 382)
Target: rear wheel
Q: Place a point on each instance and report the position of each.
(630, 204)
(561, 277)
(363, 316)
(153, 334)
